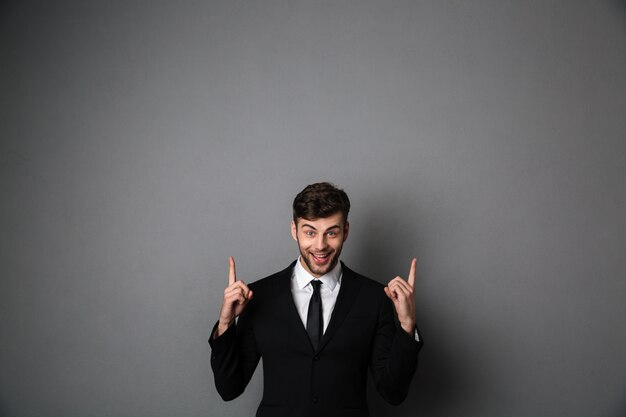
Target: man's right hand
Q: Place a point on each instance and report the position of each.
(236, 296)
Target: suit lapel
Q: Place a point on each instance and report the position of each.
(290, 312)
(348, 292)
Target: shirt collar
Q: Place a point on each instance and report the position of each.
(303, 277)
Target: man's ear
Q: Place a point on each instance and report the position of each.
(346, 231)
(294, 231)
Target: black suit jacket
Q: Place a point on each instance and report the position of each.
(329, 381)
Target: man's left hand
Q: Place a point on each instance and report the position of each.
(401, 293)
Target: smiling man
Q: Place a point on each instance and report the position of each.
(318, 325)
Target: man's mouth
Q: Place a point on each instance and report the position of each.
(321, 258)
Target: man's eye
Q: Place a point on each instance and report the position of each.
(332, 234)
(309, 233)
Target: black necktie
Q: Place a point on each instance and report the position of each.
(314, 320)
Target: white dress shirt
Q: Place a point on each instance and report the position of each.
(301, 289)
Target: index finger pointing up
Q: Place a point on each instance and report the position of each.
(412, 273)
(232, 275)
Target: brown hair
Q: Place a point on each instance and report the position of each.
(320, 200)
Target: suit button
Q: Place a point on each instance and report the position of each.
(316, 358)
(315, 400)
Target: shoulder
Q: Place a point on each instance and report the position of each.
(270, 282)
(368, 294)
(366, 285)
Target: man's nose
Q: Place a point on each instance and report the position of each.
(321, 242)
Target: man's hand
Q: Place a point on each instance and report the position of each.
(401, 293)
(236, 296)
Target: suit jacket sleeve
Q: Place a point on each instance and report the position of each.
(394, 356)
(234, 357)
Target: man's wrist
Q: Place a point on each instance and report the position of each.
(222, 327)
(408, 327)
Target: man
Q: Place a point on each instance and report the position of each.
(317, 324)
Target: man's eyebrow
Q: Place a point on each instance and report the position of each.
(330, 228)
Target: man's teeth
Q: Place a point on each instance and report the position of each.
(321, 256)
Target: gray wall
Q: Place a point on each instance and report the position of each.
(142, 143)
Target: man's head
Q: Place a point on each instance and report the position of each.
(320, 225)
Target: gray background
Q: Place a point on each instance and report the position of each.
(142, 143)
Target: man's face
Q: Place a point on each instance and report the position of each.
(320, 242)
